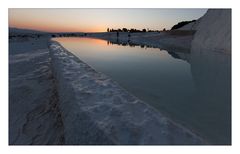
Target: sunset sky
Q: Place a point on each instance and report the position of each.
(98, 20)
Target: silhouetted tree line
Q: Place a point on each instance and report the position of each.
(68, 34)
(132, 30)
(181, 24)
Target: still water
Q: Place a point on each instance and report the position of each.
(193, 88)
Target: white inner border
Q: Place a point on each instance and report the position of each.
(5, 4)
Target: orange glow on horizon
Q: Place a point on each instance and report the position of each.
(48, 25)
(98, 20)
(54, 28)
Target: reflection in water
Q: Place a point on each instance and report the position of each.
(193, 89)
(128, 43)
(179, 55)
(211, 73)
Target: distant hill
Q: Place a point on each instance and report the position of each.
(181, 24)
(13, 30)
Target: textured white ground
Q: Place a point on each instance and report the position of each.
(96, 110)
(214, 32)
(33, 114)
(55, 98)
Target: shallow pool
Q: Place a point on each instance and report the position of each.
(193, 89)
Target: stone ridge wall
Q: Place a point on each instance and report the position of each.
(214, 31)
(96, 110)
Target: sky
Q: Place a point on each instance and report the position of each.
(98, 20)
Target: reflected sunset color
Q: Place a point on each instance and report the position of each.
(168, 83)
(122, 76)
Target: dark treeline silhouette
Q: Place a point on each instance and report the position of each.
(68, 34)
(132, 30)
(181, 24)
